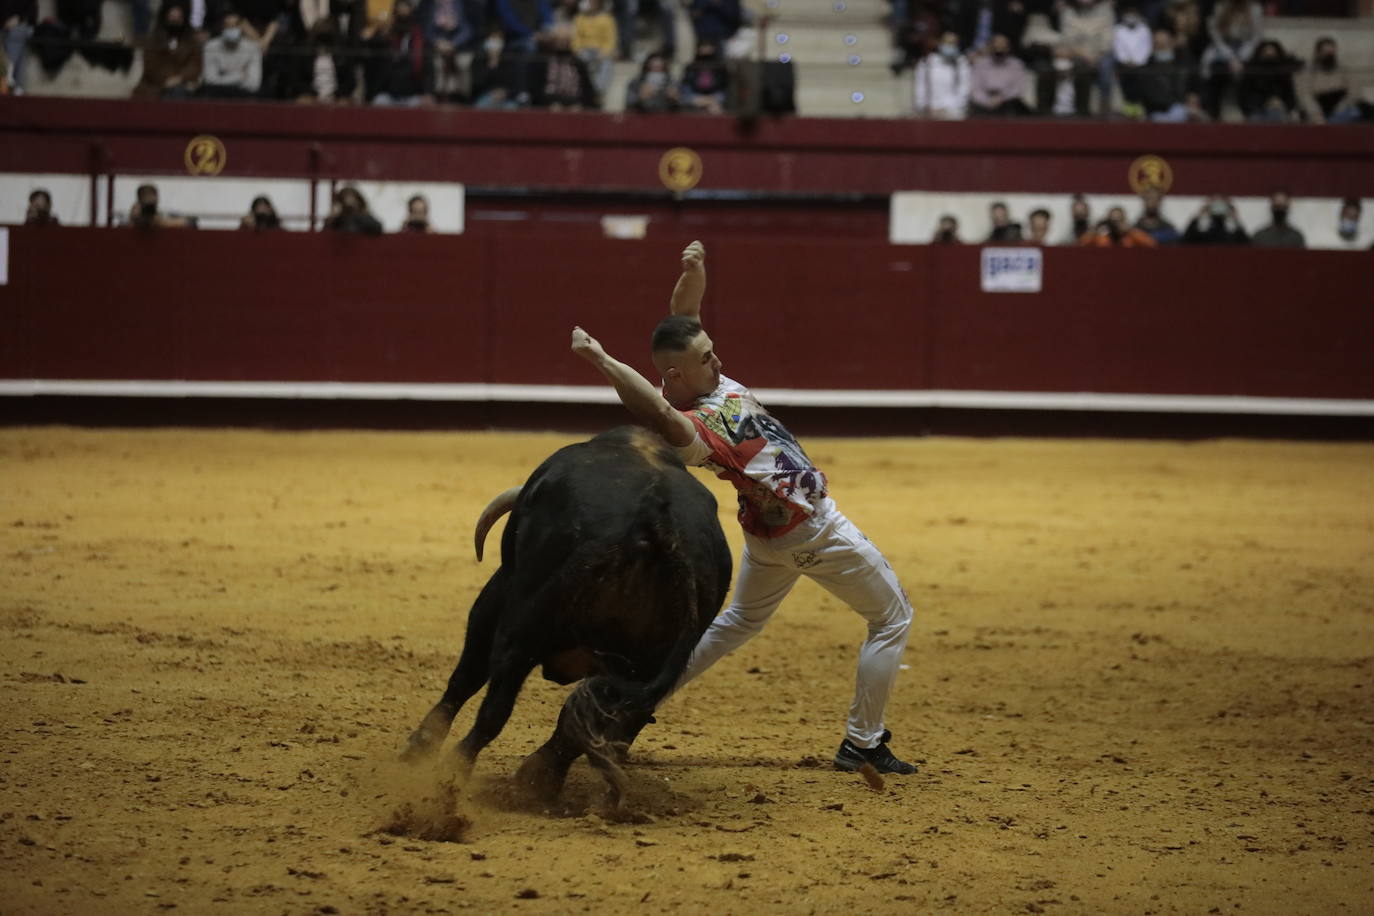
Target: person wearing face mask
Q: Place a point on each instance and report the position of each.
(1267, 92)
(653, 90)
(947, 231)
(1162, 84)
(262, 216)
(417, 216)
(172, 59)
(1279, 233)
(1132, 47)
(999, 81)
(400, 69)
(705, 81)
(40, 212)
(233, 64)
(943, 82)
(1152, 221)
(1328, 92)
(1216, 224)
(1086, 31)
(1080, 220)
(1348, 223)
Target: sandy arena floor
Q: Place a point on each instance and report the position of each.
(1141, 681)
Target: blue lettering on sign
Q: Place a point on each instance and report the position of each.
(1019, 263)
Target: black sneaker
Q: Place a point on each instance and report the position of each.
(850, 757)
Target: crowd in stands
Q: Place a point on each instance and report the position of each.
(1161, 60)
(553, 54)
(349, 212)
(1215, 223)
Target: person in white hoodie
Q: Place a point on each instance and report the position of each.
(943, 80)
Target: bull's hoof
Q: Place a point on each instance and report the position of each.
(540, 778)
(420, 746)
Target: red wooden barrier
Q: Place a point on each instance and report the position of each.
(124, 304)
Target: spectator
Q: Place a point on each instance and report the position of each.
(233, 67)
(979, 20)
(1152, 221)
(171, 58)
(918, 33)
(521, 23)
(1183, 20)
(1329, 93)
(40, 212)
(1080, 220)
(1116, 232)
(1279, 233)
(261, 216)
(653, 90)
(947, 231)
(1039, 226)
(17, 21)
(943, 82)
(566, 84)
(998, 82)
(1216, 224)
(451, 30)
(417, 216)
(145, 213)
(1162, 85)
(1348, 223)
(626, 13)
(1235, 31)
(401, 68)
(321, 72)
(1266, 84)
(1132, 48)
(594, 41)
(350, 214)
(1003, 229)
(705, 81)
(1085, 29)
(714, 22)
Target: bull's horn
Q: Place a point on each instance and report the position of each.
(494, 510)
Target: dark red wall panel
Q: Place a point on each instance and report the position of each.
(596, 151)
(124, 304)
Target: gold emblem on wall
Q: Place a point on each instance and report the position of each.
(679, 169)
(1150, 173)
(205, 155)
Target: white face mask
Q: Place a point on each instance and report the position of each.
(950, 51)
(1348, 228)
(231, 35)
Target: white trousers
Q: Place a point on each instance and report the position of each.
(832, 551)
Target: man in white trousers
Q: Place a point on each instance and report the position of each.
(791, 526)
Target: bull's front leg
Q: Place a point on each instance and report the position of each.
(472, 671)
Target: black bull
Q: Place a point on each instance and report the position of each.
(613, 563)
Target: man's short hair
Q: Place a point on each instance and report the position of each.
(148, 188)
(1040, 212)
(674, 333)
(40, 192)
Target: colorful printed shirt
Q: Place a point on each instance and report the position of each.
(740, 441)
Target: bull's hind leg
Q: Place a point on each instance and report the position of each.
(509, 669)
(472, 671)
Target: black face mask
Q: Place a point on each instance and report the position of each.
(946, 236)
(417, 225)
(1080, 226)
(264, 220)
(1280, 215)
(176, 30)
(148, 211)
(1327, 62)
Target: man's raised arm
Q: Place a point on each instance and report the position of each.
(640, 398)
(691, 286)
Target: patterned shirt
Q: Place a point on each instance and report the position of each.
(740, 442)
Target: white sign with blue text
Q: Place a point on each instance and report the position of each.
(1013, 270)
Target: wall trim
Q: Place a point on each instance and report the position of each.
(599, 394)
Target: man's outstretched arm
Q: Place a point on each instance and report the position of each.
(640, 398)
(691, 286)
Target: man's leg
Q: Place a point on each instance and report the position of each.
(855, 571)
(759, 589)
